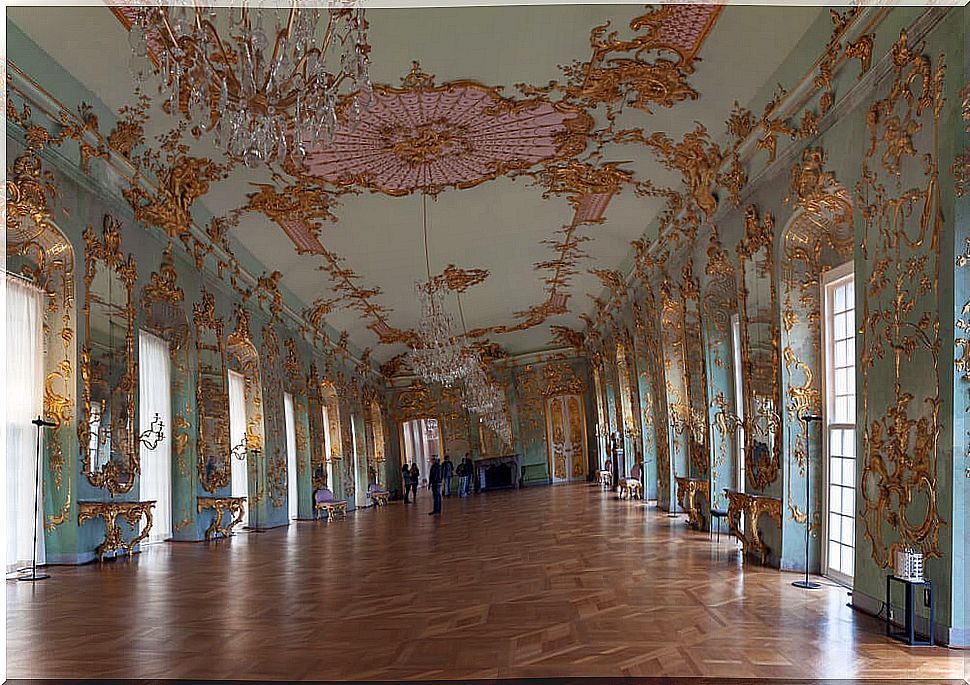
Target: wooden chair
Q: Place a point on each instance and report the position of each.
(323, 501)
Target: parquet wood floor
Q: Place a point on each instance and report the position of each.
(545, 582)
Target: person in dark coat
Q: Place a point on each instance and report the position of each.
(447, 472)
(434, 485)
(415, 475)
(406, 480)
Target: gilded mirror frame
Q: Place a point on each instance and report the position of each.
(695, 373)
(758, 240)
(105, 252)
(204, 316)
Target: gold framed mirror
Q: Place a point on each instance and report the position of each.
(108, 424)
(211, 396)
(760, 353)
(695, 377)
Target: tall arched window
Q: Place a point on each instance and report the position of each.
(245, 416)
(41, 358)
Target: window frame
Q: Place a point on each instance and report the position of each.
(830, 281)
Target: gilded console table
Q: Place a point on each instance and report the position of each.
(752, 506)
(235, 506)
(132, 512)
(687, 489)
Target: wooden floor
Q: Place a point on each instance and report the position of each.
(545, 582)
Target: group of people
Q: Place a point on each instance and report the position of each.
(441, 474)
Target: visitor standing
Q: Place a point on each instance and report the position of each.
(434, 485)
(406, 480)
(415, 475)
(461, 472)
(469, 473)
(447, 472)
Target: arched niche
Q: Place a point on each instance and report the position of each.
(760, 353)
(212, 439)
(818, 236)
(628, 423)
(719, 305)
(333, 433)
(38, 251)
(695, 376)
(243, 358)
(377, 471)
(163, 315)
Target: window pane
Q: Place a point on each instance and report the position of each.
(848, 473)
(848, 561)
(835, 498)
(835, 553)
(835, 527)
(839, 326)
(839, 299)
(835, 471)
(848, 501)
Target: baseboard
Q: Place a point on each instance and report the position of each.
(945, 635)
(70, 559)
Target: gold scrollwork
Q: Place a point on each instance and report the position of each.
(900, 193)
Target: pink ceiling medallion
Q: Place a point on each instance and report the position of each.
(423, 137)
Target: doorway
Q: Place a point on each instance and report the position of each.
(422, 443)
(566, 435)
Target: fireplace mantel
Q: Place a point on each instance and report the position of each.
(492, 472)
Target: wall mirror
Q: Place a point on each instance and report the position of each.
(757, 302)
(107, 425)
(212, 397)
(695, 378)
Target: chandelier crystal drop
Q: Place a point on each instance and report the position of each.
(265, 97)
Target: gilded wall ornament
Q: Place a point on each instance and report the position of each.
(182, 179)
(617, 75)
(901, 201)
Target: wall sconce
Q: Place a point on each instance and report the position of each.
(154, 435)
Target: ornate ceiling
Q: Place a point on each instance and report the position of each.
(539, 176)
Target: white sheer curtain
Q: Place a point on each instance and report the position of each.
(327, 447)
(155, 397)
(237, 433)
(290, 453)
(23, 374)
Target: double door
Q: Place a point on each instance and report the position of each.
(566, 437)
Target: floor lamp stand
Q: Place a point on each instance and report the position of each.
(38, 422)
(808, 419)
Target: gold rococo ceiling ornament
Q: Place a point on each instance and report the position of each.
(426, 137)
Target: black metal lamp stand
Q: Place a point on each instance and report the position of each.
(808, 419)
(255, 509)
(38, 422)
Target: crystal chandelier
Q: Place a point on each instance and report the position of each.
(480, 395)
(437, 357)
(264, 98)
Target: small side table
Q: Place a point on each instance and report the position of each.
(908, 634)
